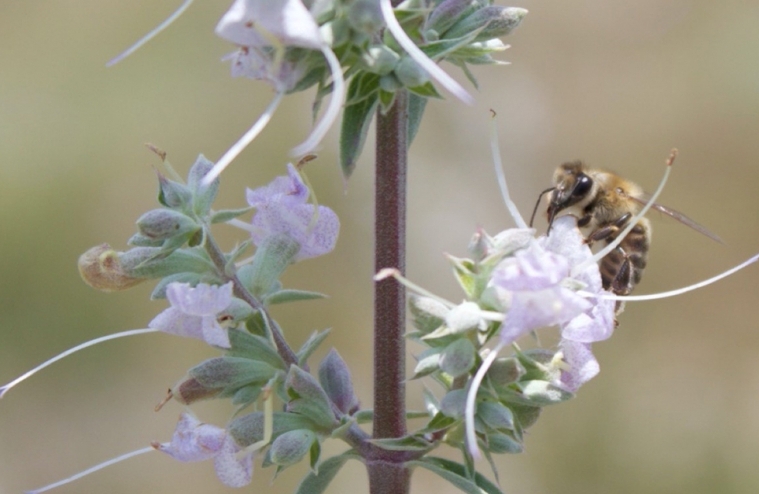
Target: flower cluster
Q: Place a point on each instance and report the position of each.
(223, 300)
(294, 45)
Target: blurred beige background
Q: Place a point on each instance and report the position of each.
(676, 406)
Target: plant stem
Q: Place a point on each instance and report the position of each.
(389, 477)
(217, 257)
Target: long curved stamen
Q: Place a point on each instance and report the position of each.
(469, 410)
(633, 222)
(243, 142)
(333, 110)
(23, 377)
(419, 57)
(496, 153)
(671, 293)
(152, 34)
(92, 470)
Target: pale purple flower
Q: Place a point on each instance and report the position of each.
(262, 30)
(597, 322)
(282, 208)
(256, 22)
(582, 364)
(533, 277)
(196, 441)
(193, 440)
(194, 312)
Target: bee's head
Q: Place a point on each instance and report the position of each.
(573, 186)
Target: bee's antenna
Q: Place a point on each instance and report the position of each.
(540, 197)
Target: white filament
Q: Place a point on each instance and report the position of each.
(243, 142)
(7, 387)
(330, 115)
(502, 176)
(671, 293)
(150, 35)
(90, 470)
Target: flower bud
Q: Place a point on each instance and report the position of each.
(380, 59)
(544, 393)
(494, 22)
(453, 403)
(335, 378)
(203, 194)
(291, 447)
(308, 398)
(365, 16)
(495, 415)
(190, 390)
(410, 73)
(173, 194)
(165, 223)
(229, 373)
(428, 313)
(390, 83)
(102, 269)
(458, 358)
(505, 371)
(465, 317)
(448, 13)
(503, 443)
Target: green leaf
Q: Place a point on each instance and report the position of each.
(353, 130)
(228, 214)
(416, 106)
(151, 262)
(361, 87)
(426, 90)
(437, 50)
(406, 443)
(310, 345)
(429, 363)
(455, 473)
(285, 296)
(438, 423)
(254, 347)
(386, 99)
(317, 483)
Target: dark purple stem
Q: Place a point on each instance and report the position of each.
(387, 476)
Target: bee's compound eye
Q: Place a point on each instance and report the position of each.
(584, 183)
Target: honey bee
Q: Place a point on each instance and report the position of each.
(605, 203)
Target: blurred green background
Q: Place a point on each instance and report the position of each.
(676, 406)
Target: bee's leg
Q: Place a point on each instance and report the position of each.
(609, 232)
(624, 281)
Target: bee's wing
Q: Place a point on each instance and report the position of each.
(642, 199)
